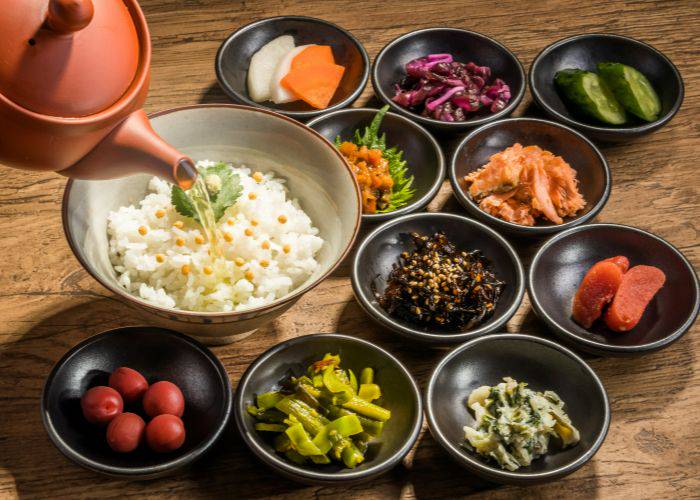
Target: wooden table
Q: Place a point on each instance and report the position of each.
(49, 303)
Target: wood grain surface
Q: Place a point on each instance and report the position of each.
(48, 303)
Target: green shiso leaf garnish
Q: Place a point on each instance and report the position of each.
(182, 203)
(227, 192)
(402, 191)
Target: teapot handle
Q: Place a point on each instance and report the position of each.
(68, 16)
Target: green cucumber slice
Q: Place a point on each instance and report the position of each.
(590, 95)
(632, 89)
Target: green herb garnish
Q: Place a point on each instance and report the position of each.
(403, 190)
(222, 185)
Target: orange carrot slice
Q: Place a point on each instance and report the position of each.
(312, 55)
(315, 84)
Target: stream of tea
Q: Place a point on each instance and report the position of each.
(202, 205)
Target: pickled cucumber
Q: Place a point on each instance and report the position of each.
(632, 89)
(590, 95)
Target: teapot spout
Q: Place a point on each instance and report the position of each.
(134, 147)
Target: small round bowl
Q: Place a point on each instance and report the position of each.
(158, 354)
(400, 395)
(590, 164)
(584, 52)
(422, 153)
(559, 266)
(466, 46)
(544, 365)
(315, 173)
(380, 250)
(233, 59)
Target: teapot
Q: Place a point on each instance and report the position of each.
(74, 75)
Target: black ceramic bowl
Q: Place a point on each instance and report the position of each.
(400, 395)
(590, 164)
(584, 52)
(465, 46)
(233, 59)
(158, 354)
(559, 266)
(544, 365)
(381, 249)
(422, 153)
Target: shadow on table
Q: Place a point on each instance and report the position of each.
(25, 450)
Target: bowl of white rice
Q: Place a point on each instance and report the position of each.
(294, 220)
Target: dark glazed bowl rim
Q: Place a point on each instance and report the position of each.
(421, 202)
(313, 476)
(136, 472)
(301, 115)
(621, 130)
(227, 315)
(601, 348)
(511, 227)
(382, 317)
(515, 100)
(494, 473)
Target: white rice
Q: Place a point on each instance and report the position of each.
(135, 255)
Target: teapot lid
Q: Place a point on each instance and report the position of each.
(67, 58)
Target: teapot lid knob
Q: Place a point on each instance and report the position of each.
(68, 16)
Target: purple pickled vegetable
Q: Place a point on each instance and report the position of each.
(438, 87)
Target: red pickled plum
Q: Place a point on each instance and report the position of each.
(129, 383)
(165, 433)
(101, 404)
(125, 432)
(163, 398)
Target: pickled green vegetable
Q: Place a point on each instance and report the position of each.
(369, 392)
(268, 400)
(372, 427)
(353, 380)
(368, 409)
(590, 95)
(345, 426)
(262, 426)
(367, 376)
(632, 89)
(324, 415)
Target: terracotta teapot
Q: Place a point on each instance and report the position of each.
(73, 78)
